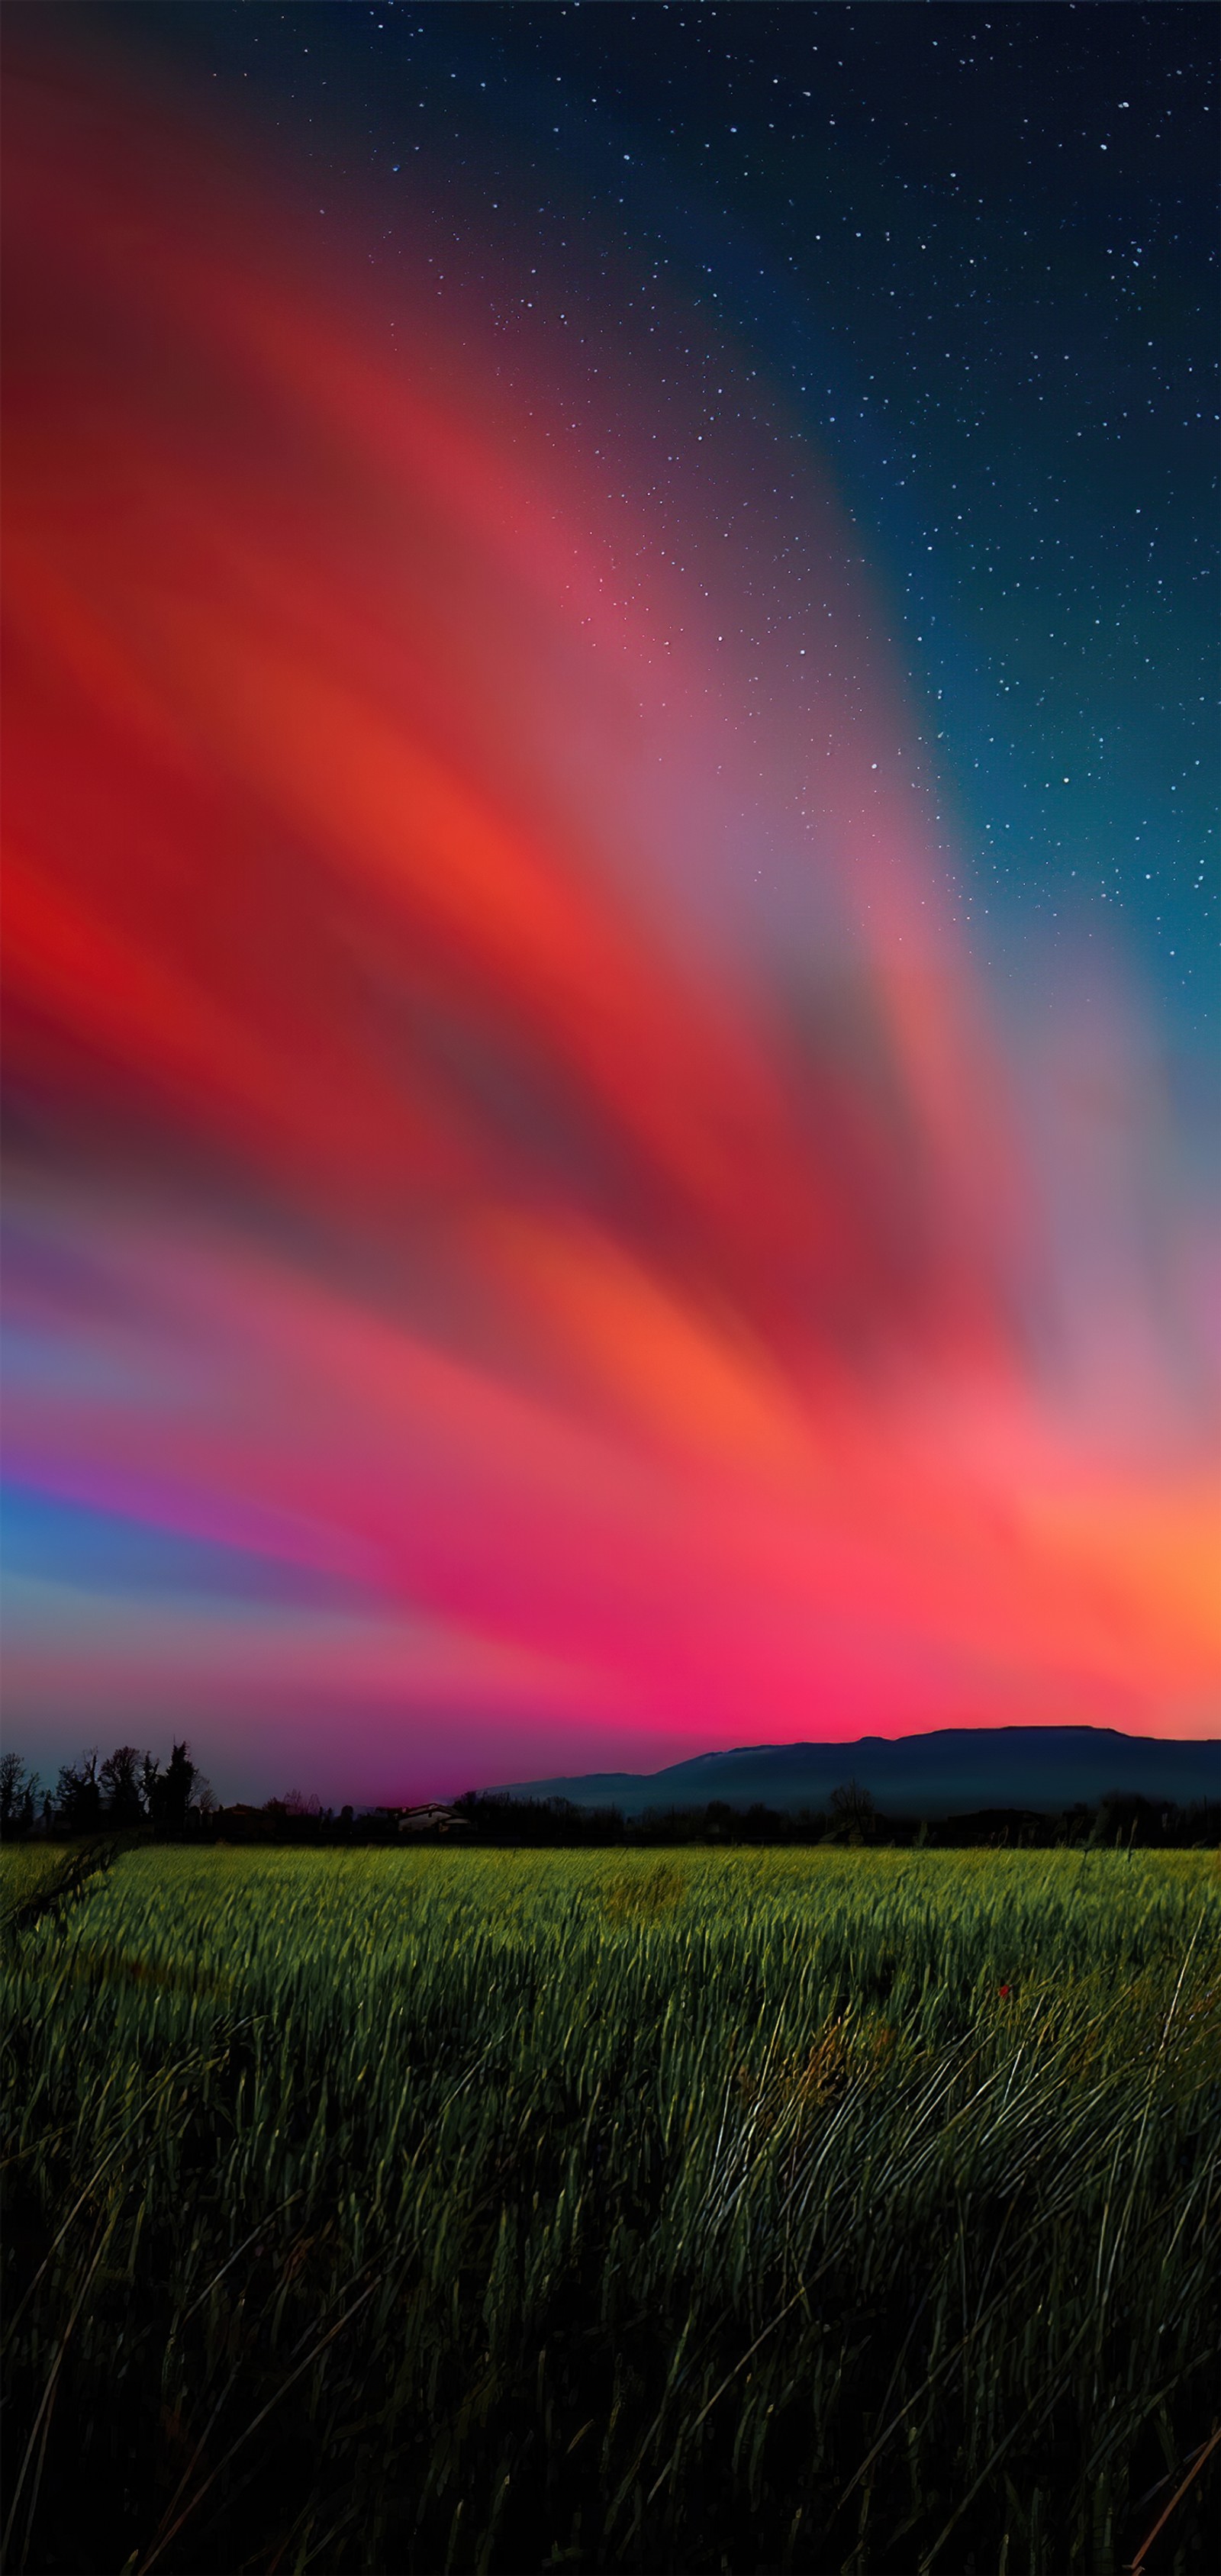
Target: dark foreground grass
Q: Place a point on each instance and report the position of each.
(435, 2210)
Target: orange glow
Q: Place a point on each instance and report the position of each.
(503, 1131)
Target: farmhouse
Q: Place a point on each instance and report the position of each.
(431, 1819)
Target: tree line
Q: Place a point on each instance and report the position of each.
(851, 1820)
(128, 1790)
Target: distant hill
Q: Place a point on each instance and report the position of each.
(954, 1771)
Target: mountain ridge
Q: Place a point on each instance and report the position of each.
(946, 1771)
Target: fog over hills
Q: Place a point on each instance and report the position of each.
(955, 1770)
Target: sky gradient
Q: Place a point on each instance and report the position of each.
(560, 1214)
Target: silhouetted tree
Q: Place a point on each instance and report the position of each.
(171, 1793)
(1126, 1817)
(121, 1778)
(18, 1790)
(853, 1806)
(78, 1796)
(12, 1781)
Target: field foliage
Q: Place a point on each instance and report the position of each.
(452, 2210)
(27, 1871)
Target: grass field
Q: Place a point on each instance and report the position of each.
(42, 1874)
(452, 2210)
(29, 1871)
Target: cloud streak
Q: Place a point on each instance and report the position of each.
(526, 1242)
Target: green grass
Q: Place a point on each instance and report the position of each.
(428, 2210)
(26, 1871)
(35, 1876)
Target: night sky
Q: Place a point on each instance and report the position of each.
(972, 251)
(613, 972)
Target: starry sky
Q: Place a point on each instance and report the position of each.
(613, 990)
(974, 253)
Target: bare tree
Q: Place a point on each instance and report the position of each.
(172, 1792)
(121, 1776)
(18, 1790)
(78, 1795)
(853, 1806)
